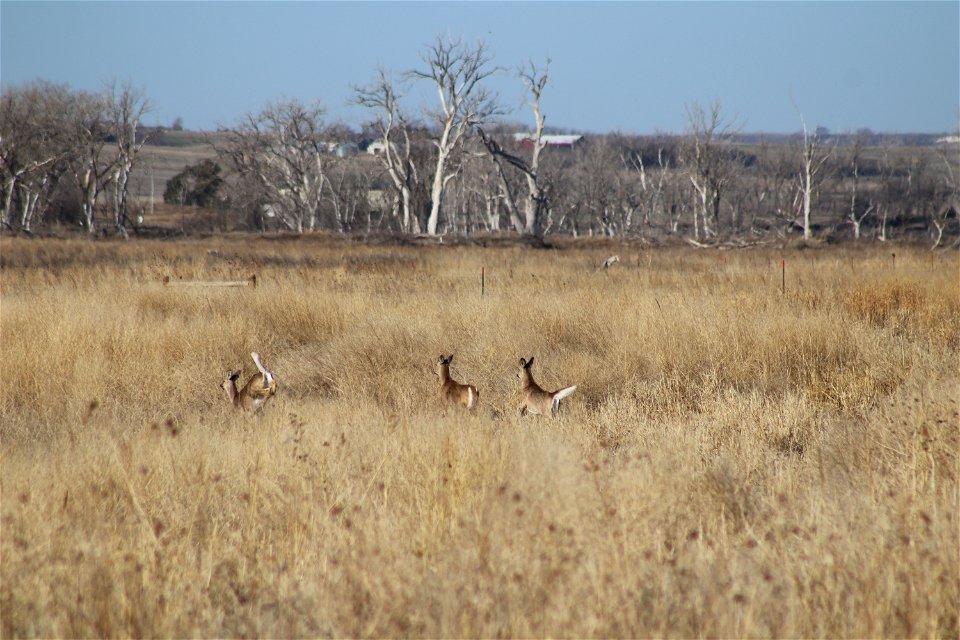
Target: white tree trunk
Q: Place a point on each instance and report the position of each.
(807, 197)
(436, 195)
(31, 198)
(410, 221)
(457, 72)
(9, 186)
(439, 181)
(534, 190)
(88, 188)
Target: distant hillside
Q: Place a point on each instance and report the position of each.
(164, 137)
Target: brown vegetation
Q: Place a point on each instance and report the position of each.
(735, 462)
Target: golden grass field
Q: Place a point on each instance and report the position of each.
(734, 463)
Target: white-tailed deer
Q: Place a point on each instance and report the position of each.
(259, 388)
(536, 401)
(451, 391)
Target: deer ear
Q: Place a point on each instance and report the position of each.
(440, 360)
(450, 358)
(523, 363)
(529, 362)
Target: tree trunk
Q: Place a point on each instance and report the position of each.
(807, 188)
(515, 221)
(88, 187)
(405, 203)
(532, 212)
(716, 211)
(11, 184)
(120, 201)
(436, 195)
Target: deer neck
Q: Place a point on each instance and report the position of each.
(444, 373)
(230, 386)
(527, 381)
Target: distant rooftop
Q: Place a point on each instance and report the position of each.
(562, 140)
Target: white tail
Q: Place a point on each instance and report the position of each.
(259, 388)
(609, 262)
(267, 376)
(563, 393)
(558, 396)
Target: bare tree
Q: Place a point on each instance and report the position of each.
(91, 168)
(814, 156)
(709, 165)
(127, 105)
(535, 203)
(565, 211)
(595, 179)
(282, 150)
(457, 71)
(491, 200)
(33, 147)
(858, 210)
(392, 126)
(346, 195)
(652, 164)
(951, 194)
(940, 221)
(887, 195)
(505, 188)
(773, 193)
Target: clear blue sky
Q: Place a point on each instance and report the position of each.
(626, 66)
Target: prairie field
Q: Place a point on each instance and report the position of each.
(738, 460)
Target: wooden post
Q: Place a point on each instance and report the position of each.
(783, 277)
(249, 282)
(481, 281)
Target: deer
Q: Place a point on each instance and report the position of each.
(259, 388)
(451, 391)
(537, 401)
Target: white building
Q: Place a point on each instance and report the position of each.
(377, 147)
(561, 141)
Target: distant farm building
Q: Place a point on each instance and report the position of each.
(342, 149)
(526, 140)
(377, 147)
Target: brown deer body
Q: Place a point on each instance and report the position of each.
(537, 401)
(451, 391)
(259, 388)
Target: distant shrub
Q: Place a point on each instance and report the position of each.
(197, 185)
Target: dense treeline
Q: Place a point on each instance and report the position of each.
(67, 156)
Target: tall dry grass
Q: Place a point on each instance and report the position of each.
(735, 462)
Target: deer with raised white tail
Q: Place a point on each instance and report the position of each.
(451, 391)
(537, 401)
(259, 388)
